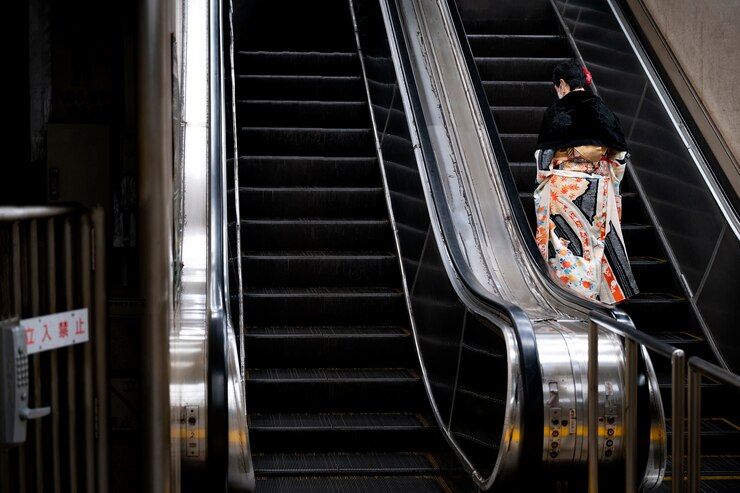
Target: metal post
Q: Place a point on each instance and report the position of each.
(99, 340)
(51, 286)
(87, 359)
(71, 381)
(593, 407)
(678, 362)
(18, 307)
(33, 284)
(694, 435)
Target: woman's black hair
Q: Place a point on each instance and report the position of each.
(571, 72)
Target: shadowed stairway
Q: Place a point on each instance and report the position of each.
(334, 394)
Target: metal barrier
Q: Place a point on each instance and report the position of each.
(634, 338)
(52, 259)
(699, 368)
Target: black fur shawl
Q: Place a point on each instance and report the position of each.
(580, 118)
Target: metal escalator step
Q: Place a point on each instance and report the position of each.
(344, 464)
(487, 45)
(518, 119)
(324, 202)
(307, 171)
(331, 375)
(721, 465)
(517, 68)
(676, 338)
(302, 113)
(296, 63)
(306, 87)
(519, 93)
(316, 234)
(329, 346)
(350, 484)
(311, 269)
(326, 331)
(270, 141)
(337, 421)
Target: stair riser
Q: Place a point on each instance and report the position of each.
(316, 397)
(514, 69)
(304, 142)
(331, 352)
(281, 63)
(307, 203)
(313, 236)
(313, 310)
(310, 271)
(256, 172)
(301, 88)
(518, 120)
(311, 114)
(379, 440)
(502, 46)
(520, 93)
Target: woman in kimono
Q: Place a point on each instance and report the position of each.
(581, 156)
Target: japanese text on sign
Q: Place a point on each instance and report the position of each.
(56, 330)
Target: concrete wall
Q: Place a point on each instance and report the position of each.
(704, 35)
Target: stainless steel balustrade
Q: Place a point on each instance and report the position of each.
(207, 395)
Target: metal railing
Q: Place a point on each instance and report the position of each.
(699, 368)
(634, 338)
(52, 259)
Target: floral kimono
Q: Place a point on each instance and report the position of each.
(577, 201)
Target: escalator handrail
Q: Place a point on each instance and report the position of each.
(456, 259)
(226, 415)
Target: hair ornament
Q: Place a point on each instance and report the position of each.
(587, 74)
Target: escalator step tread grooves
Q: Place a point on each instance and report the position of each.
(351, 484)
(338, 420)
(334, 396)
(515, 49)
(345, 463)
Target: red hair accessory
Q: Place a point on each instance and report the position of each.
(587, 74)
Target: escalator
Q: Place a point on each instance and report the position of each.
(515, 45)
(334, 390)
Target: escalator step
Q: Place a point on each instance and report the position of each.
(317, 171)
(324, 306)
(344, 464)
(323, 390)
(306, 202)
(336, 347)
(517, 68)
(312, 269)
(330, 375)
(316, 234)
(337, 421)
(271, 141)
(520, 93)
(349, 484)
(315, 87)
(518, 119)
(510, 45)
(302, 113)
(297, 63)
